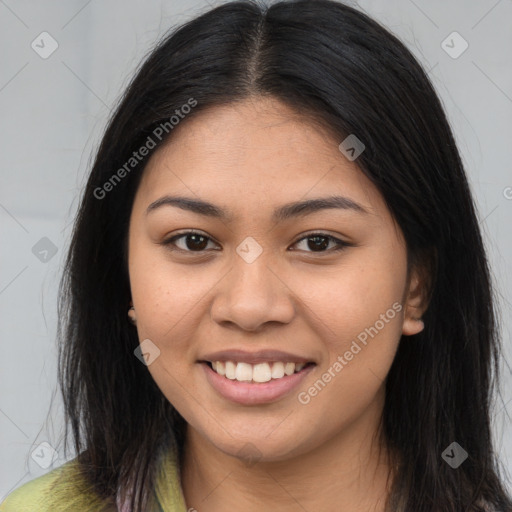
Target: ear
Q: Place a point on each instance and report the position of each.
(416, 301)
(131, 313)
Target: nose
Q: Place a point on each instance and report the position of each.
(252, 295)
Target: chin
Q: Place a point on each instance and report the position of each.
(257, 449)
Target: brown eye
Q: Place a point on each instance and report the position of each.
(318, 242)
(195, 242)
(192, 241)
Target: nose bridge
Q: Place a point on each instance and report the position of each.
(252, 294)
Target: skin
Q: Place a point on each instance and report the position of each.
(250, 158)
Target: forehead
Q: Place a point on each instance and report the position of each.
(258, 151)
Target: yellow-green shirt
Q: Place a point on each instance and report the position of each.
(61, 490)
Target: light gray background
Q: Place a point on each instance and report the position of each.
(53, 112)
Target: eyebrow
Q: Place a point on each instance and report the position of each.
(284, 212)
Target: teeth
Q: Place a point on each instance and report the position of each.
(230, 370)
(289, 368)
(261, 372)
(243, 372)
(277, 370)
(220, 368)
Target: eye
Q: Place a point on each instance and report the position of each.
(194, 241)
(320, 241)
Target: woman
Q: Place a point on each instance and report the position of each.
(276, 294)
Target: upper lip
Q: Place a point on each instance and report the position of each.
(260, 356)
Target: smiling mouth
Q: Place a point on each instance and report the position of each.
(256, 373)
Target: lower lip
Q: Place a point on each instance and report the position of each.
(249, 393)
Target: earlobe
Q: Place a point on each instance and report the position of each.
(412, 326)
(415, 306)
(131, 314)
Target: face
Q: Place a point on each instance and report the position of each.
(260, 284)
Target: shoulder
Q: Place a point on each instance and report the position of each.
(60, 490)
(65, 489)
(33, 495)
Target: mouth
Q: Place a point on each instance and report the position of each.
(255, 384)
(256, 373)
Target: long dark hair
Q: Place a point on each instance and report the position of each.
(345, 71)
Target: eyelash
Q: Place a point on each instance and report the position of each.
(341, 245)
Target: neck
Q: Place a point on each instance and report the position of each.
(348, 472)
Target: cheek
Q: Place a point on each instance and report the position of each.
(346, 300)
(358, 315)
(360, 347)
(167, 295)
